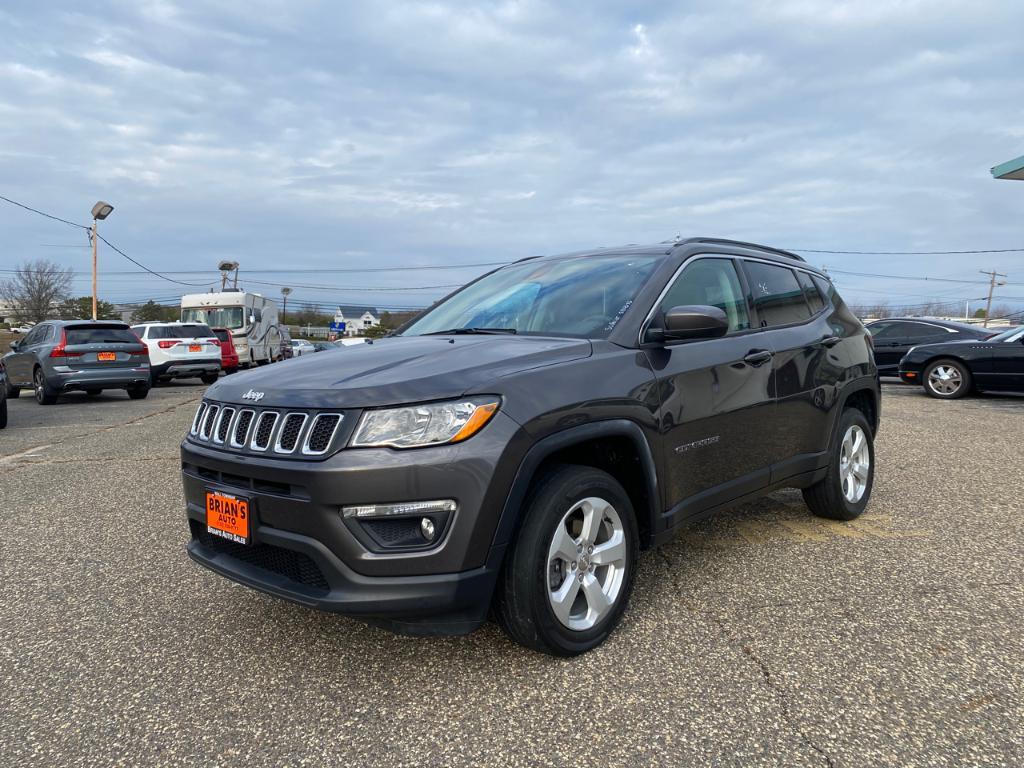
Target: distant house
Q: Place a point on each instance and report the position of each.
(357, 319)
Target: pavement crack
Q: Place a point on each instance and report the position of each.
(747, 651)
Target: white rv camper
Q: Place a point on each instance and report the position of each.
(251, 318)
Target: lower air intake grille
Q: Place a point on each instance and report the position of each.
(292, 565)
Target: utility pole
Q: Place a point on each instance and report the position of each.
(991, 287)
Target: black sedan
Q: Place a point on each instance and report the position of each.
(954, 368)
(894, 337)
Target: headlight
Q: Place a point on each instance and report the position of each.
(415, 426)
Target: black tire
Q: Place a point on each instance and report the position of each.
(44, 395)
(827, 498)
(138, 393)
(3, 412)
(210, 378)
(229, 371)
(524, 607)
(961, 370)
(154, 378)
(93, 392)
(11, 391)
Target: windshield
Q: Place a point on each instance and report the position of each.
(1013, 334)
(581, 296)
(222, 317)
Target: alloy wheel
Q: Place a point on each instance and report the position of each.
(40, 385)
(586, 563)
(854, 464)
(945, 379)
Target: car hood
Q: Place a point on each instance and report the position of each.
(396, 370)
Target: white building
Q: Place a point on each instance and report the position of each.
(357, 319)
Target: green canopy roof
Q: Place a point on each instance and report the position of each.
(1011, 169)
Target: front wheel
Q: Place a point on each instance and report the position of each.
(44, 396)
(138, 393)
(844, 492)
(569, 575)
(947, 379)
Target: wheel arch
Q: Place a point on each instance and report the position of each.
(865, 396)
(617, 446)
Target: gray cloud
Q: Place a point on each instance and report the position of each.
(346, 135)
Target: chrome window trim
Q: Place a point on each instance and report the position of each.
(280, 432)
(245, 438)
(270, 438)
(730, 257)
(330, 440)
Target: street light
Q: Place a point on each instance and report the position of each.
(225, 267)
(100, 211)
(285, 293)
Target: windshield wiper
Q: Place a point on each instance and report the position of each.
(483, 331)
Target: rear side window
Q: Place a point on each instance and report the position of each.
(100, 334)
(909, 330)
(814, 299)
(778, 298)
(221, 334)
(184, 331)
(139, 330)
(710, 282)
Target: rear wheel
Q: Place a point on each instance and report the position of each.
(11, 390)
(947, 379)
(3, 411)
(138, 393)
(93, 392)
(569, 575)
(210, 378)
(844, 492)
(44, 395)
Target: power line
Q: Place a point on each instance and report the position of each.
(41, 213)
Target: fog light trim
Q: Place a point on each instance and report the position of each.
(404, 508)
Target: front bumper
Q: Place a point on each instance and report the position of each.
(102, 378)
(296, 520)
(910, 373)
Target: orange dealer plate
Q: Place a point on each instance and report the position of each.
(227, 516)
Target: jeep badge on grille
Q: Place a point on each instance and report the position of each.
(254, 396)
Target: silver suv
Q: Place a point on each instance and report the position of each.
(59, 356)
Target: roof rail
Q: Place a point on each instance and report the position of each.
(757, 246)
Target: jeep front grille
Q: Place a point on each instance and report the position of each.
(286, 433)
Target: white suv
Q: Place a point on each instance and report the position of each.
(181, 350)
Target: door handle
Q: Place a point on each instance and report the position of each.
(830, 341)
(758, 357)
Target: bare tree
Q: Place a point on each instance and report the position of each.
(36, 290)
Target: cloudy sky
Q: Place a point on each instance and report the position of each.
(311, 137)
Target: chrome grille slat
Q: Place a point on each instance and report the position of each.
(264, 431)
(220, 434)
(288, 436)
(198, 418)
(211, 416)
(242, 425)
(314, 438)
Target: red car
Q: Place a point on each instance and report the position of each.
(228, 355)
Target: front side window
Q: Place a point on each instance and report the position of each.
(221, 317)
(778, 298)
(710, 282)
(583, 297)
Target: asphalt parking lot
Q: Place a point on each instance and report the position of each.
(762, 637)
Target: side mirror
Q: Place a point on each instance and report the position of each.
(252, 318)
(694, 322)
(15, 345)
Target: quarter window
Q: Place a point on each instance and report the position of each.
(814, 300)
(710, 282)
(778, 297)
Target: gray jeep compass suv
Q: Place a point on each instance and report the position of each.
(518, 444)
